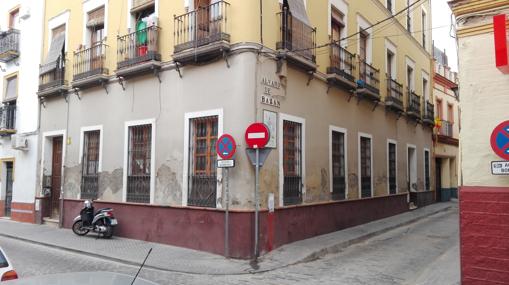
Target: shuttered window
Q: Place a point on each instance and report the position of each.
(365, 145)
(11, 88)
(338, 166)
(392, 167)
(139, 167)
(202, 162)
(426, 171)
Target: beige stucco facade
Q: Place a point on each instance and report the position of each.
(234, 91)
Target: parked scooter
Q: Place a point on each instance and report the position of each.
(101, 222)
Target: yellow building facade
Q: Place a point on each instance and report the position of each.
(135, 93)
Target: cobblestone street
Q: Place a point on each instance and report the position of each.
(424, 252)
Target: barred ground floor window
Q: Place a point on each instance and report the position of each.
(139, 163)
(392, 167)
(365, 163)
(202, 180)
(90, 164)
(292, 162)
(338, 165)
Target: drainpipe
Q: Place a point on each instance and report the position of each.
(261, 22)
(64, 156)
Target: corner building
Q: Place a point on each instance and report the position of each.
(483, 196)
(134, 100)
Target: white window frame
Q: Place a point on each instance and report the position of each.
(391, 141)
(130, 21)
(408, 164)
(424, 167)
(425, 28)
(345, 134)
(393, 10)
(286, 117)
(363, 24)
(425, 95)
(370, 136)
(152, 156)
(389, 46)
(58, 20)
(409, 13)
(45, 137)
(219, 173)
(82, 141)
(88, 6)
(342, 6)
(410, 63)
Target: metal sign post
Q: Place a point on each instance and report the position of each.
(226, 218)
(257, 187)
(225, 148)
(257, 135)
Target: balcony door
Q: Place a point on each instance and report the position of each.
(202, 19)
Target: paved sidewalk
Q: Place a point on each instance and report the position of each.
(176, 259)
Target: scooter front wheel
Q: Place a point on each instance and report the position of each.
(78, 228)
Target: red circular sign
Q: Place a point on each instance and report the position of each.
(257, 135)
(500, 140)
(225, 146)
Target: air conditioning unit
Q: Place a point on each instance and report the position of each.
(19, 142)
(25, 12)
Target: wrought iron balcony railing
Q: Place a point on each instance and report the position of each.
(52, 74)
(394, 94)
(205, 25)
(414, 103)
(429, 113)
(296, 36)
(446, 128)
(9, 45)
(138, 47)
(7, 118)
(341, 62)
(90, 61)
(369, 77)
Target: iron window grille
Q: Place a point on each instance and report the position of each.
(292, 163)
(139, 164)
(365, 167)
(392, 168)
(202, 180)
(338, 166)
(90, 165)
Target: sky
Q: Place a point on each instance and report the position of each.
(441, 29)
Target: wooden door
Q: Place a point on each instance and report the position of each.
(202, 18)
(56, 176)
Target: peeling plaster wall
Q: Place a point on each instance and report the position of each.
(320, 109)
(145, 98)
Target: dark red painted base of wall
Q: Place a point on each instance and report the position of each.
(484, 235)
(203, 229)
(2, 208)
(23, 212)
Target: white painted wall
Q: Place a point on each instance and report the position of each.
(27, 103)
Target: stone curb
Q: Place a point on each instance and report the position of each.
(310, 257)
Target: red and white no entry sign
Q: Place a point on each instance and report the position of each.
(257, 135)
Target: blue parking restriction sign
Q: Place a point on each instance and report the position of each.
(225, 146)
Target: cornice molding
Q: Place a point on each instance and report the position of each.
(462, 7)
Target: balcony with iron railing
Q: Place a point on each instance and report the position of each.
(9, 45)
(202, 34)
(138, 52)
(89, 66)
(297, 41)
(394, 98)
(429, 114)
(413, 109)
(52, 78)
(7, 119)
(368, 84)
(446, 129)
(341, 68)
